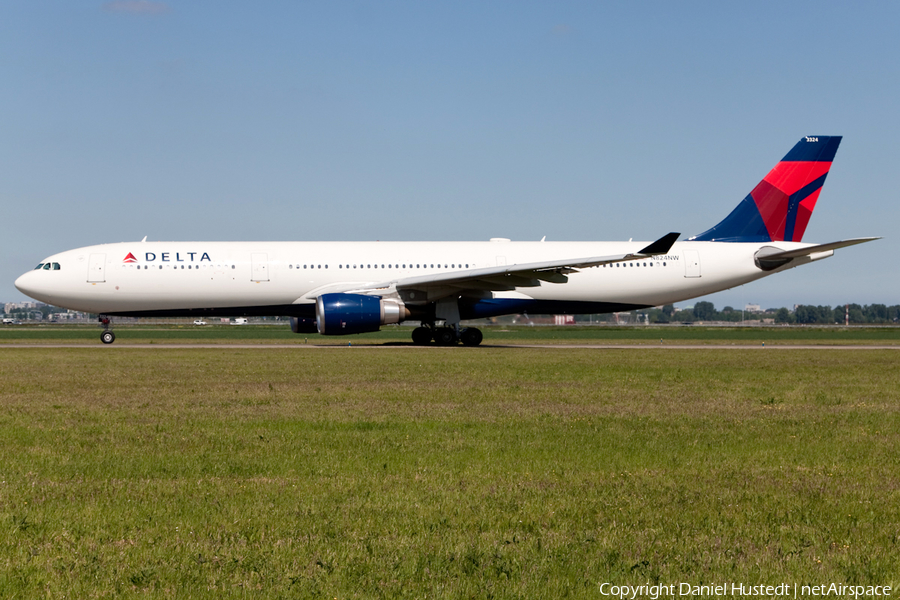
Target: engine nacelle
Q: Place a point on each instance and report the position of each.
(343, 314)
(303, 325)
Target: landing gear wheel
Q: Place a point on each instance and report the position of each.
(107, 337)
(445, 336)
(421, 336)
(471, 336)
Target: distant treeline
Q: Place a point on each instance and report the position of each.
(803, 314)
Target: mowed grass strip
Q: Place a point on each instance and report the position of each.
(446, 473)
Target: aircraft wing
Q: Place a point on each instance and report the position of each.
(509, 277)
(341, 287)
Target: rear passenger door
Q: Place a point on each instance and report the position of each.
(691, 263)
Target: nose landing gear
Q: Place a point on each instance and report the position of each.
(107, 336)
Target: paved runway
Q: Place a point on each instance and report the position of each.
(409, 346)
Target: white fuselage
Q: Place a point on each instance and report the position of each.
(158, 276)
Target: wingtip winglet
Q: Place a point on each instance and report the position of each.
(662, 245)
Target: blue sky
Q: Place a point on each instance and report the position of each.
(453, 121)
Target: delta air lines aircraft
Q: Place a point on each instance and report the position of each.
(340, 288)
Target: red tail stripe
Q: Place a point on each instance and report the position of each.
(772, 195)
(791, 176)
(804, 212)
(772, 205)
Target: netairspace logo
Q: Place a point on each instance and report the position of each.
(785, 590)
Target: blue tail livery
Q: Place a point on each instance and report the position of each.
(779, 207)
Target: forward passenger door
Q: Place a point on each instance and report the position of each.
(97, 268)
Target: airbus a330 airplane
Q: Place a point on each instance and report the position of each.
(339, 288)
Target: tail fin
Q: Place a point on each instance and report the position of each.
(779, 207)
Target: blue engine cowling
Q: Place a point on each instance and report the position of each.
(343, 314)
(303, 325)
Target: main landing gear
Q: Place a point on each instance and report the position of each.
(107, 336)
(421, 336)
(446, 336)
(471, 336)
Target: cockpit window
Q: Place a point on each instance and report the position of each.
(39, 267)
(46, 266)
(56, 266)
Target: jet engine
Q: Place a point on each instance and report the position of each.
(343, 314)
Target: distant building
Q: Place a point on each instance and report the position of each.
(69, 315)
(11, 306)
(753, 308)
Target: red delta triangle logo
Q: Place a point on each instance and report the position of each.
(130, 258)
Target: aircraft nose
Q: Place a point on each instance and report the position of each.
(27, 284)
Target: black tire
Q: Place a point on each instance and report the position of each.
(107, 337)
(445, 336)
(421, 336)
(471, 337)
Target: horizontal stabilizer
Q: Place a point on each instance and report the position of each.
(769, 258)
(819, 248)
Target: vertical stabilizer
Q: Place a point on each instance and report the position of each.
(779, 207)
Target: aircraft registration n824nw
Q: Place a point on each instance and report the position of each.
(340, 288)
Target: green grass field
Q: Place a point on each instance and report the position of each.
(443, 473)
